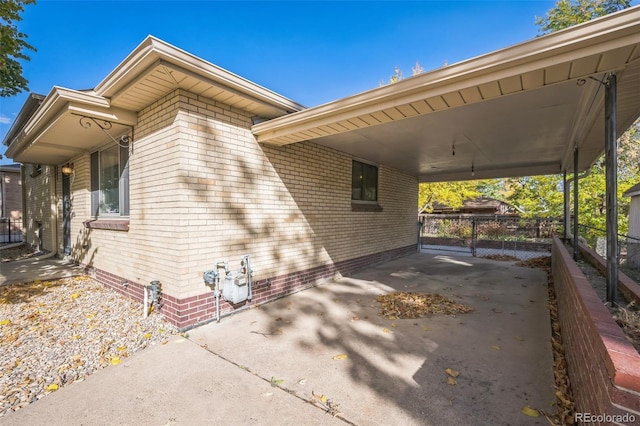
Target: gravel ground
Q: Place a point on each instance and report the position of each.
(54, 333)
(628, 318)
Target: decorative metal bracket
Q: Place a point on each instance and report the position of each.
(125, 141)
(603, 82)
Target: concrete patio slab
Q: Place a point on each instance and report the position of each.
(28, 270)
(328, 345)
(394, 371)
(174, 384)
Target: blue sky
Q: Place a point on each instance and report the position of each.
(311, 52)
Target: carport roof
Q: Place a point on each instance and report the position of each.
(515, 112)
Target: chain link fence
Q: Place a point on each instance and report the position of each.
(489, 236)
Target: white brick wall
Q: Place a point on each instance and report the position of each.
(203, 190)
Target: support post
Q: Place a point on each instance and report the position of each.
(565, 206)
(575, 204)
(611, 170)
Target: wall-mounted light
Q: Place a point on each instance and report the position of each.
(67, 169)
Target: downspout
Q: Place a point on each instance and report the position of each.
(4, 195)
(23, 191)
(53, 172)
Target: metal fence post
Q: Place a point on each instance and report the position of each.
(474, 231)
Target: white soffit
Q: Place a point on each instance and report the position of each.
(156, 68)
(516, 111)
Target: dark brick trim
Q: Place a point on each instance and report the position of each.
(604, 367)
(196, 310)
(110, 224)
(364, 207)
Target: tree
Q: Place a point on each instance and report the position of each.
(568, 13)
(451, 194)
(12, 46)
(591, 192)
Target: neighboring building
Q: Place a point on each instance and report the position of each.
(194, 187)
(477, 206)
(633, 244)
(10, 204)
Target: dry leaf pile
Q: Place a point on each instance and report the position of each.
(543, 262)
(628, 318)
(53, 333)
(17, 253)
(500, 257)
(416, 305)
(564, 396)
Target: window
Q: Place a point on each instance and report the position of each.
(110, 182)
(364, 182)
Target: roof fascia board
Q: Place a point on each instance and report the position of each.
(152, 49)
(590, 38)
(60, 101)
(29, 107)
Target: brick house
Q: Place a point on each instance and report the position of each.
(171, 164)
(194, 187)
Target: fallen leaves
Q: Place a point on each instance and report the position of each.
(531, 412)
(340, 357)
(451, 375)
(416, 305)
(502, 257)
(328, 405)
(48, 336)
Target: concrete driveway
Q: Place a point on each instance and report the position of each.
(328, 346)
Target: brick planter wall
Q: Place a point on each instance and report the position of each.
(604, 367)
(189, 312)
(629, 288)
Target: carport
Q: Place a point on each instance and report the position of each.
(547, 106)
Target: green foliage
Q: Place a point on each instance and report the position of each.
(537, 196)
(451, 194)
(567, 13)
(12, 46)
(543, 196)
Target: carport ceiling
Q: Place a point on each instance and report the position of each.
(515, 112)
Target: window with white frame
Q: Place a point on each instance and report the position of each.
(364, 182)
(110, 182)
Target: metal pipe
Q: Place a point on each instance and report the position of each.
(146, 302)
(217, 296)
(611, 173)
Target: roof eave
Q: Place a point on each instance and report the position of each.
(568, 43)
(152, 50)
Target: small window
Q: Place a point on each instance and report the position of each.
(364, 182)
(110, 182)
